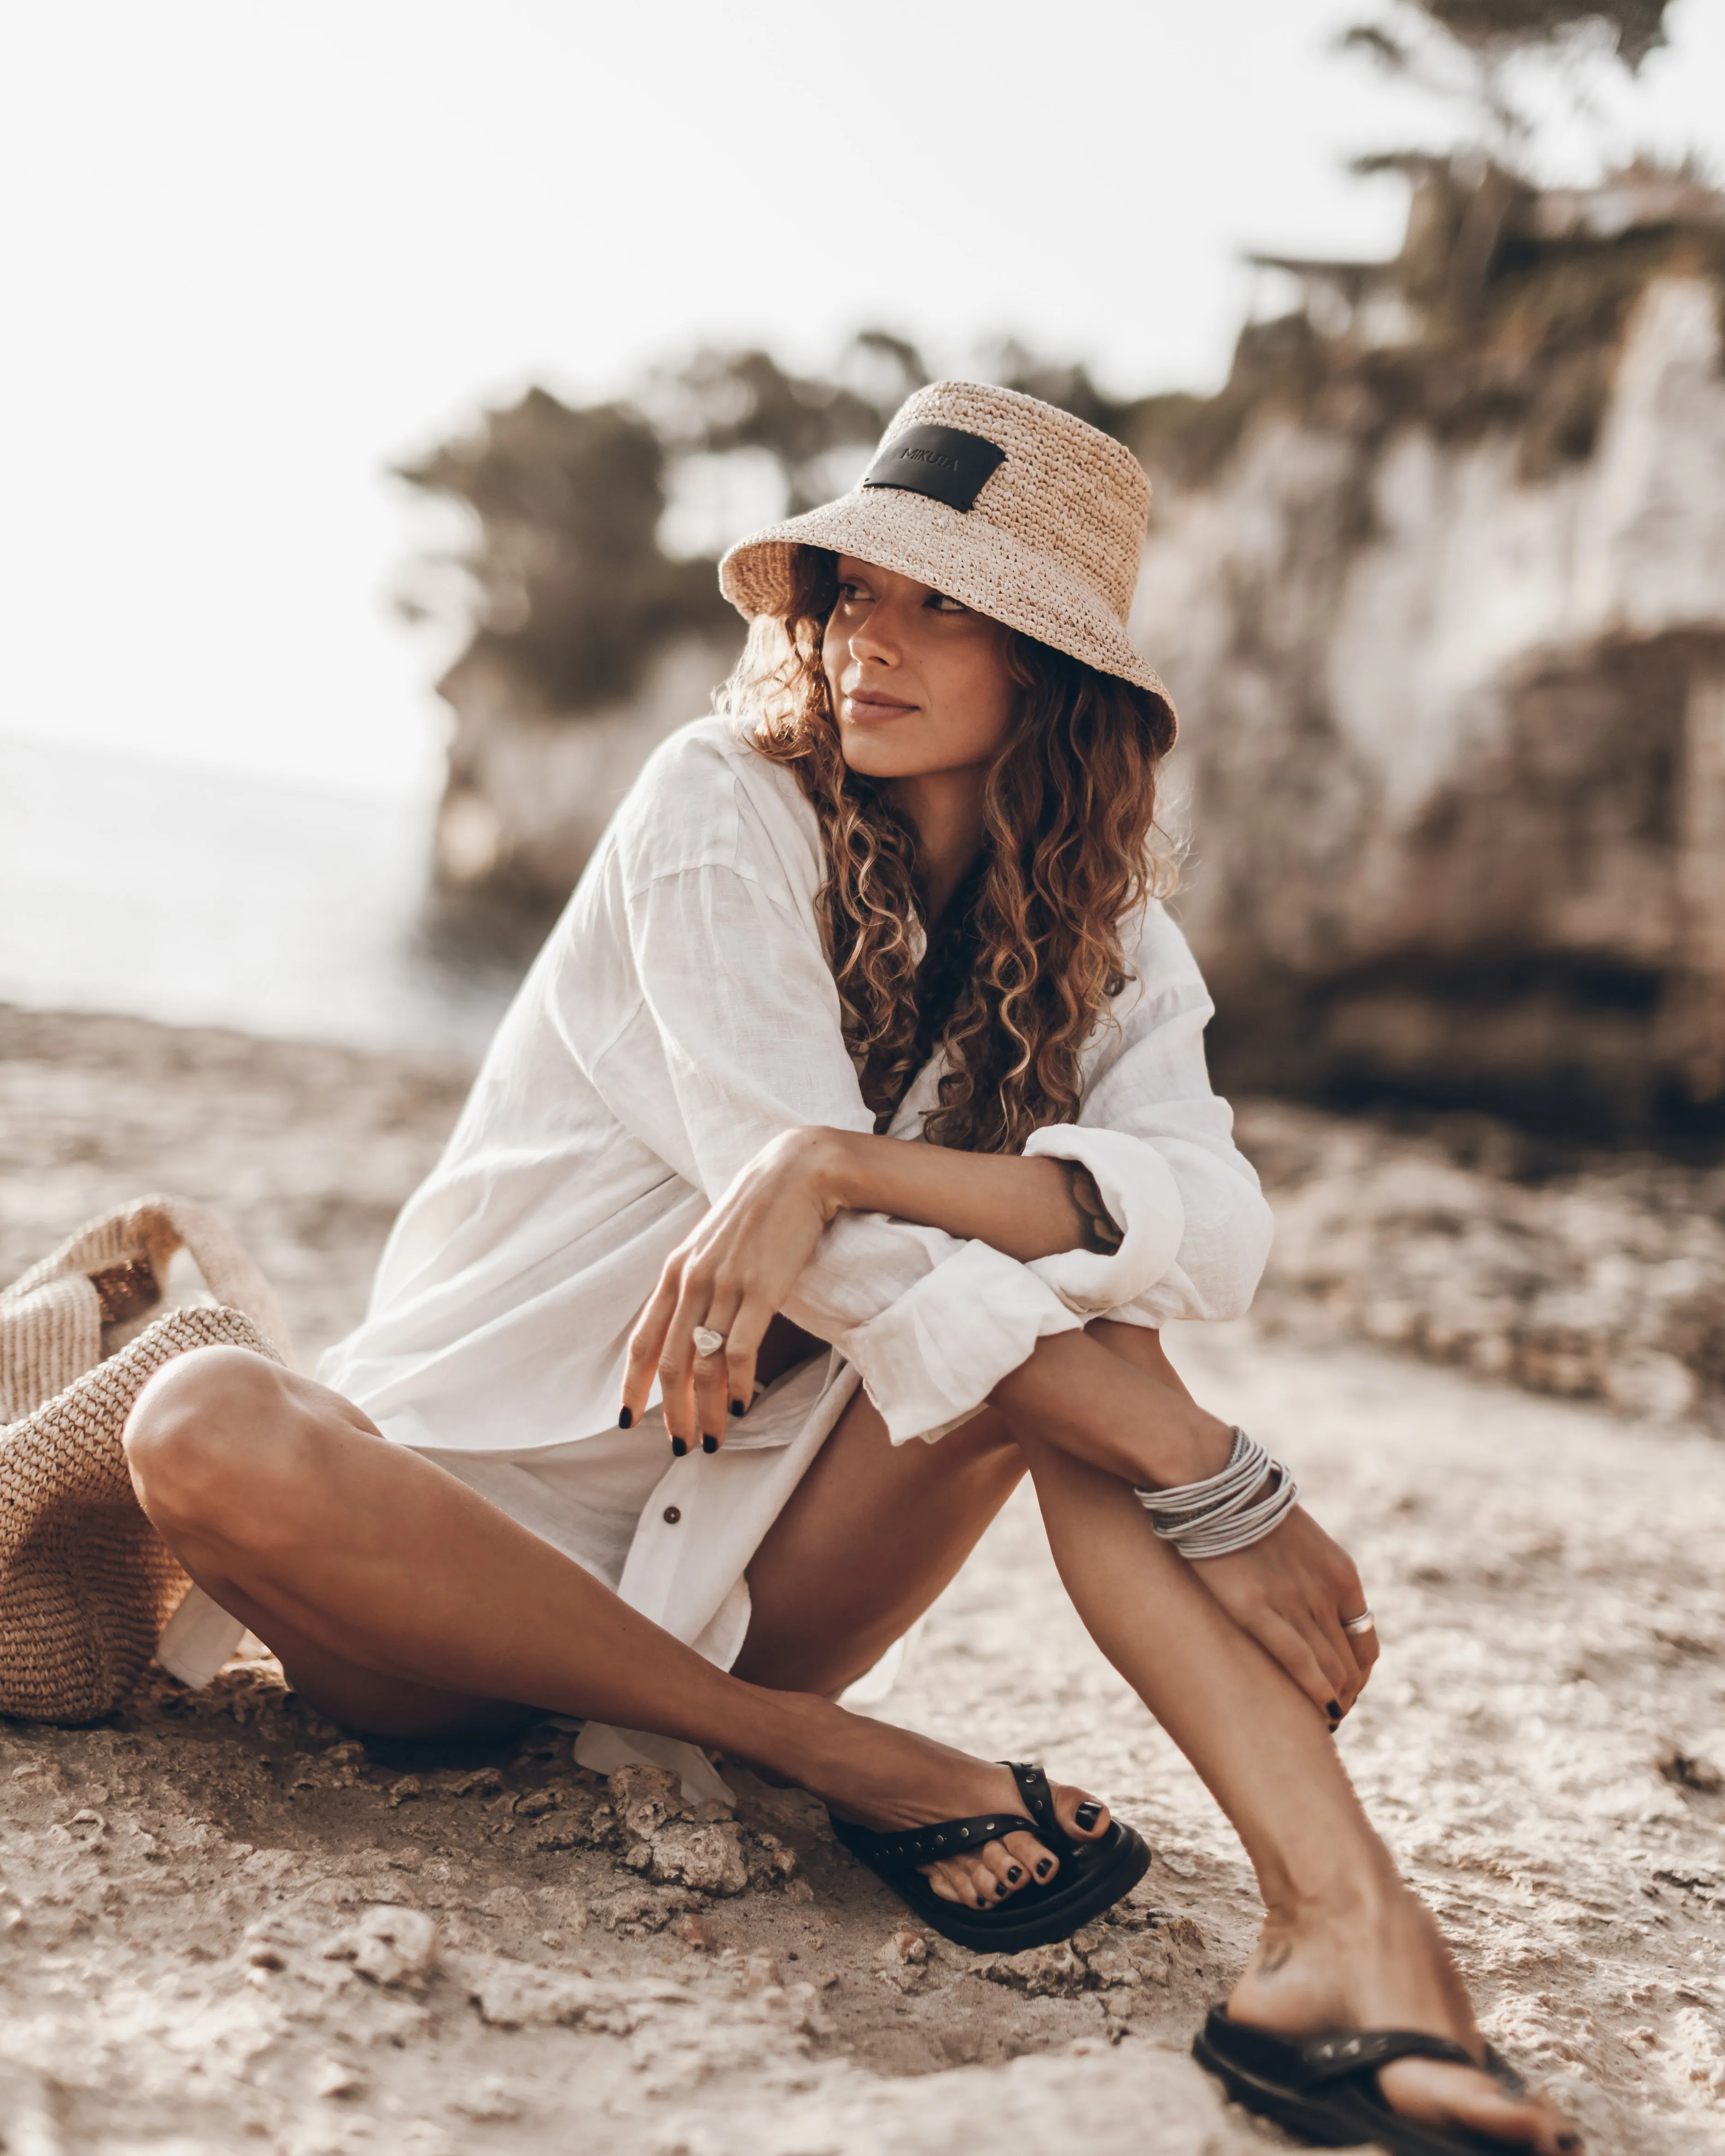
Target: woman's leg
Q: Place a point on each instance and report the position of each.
(872, 1534)
(869, 1539)
(1346, 1944)
(404, 1604)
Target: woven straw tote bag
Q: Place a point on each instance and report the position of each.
(86, 1584)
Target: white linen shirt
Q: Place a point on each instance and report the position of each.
(682, 1014)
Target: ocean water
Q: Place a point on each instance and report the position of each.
(201, 897)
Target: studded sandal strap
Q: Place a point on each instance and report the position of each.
(1362, 2050)
(1038, 1802)
(927, 1845)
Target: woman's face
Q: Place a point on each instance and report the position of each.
(919, 683)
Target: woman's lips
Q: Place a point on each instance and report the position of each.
(865, 705)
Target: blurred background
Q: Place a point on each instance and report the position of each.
(384, 381)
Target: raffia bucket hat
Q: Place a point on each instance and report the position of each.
(1017, 508)
(88, 1589)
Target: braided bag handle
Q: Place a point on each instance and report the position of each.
(86, 1584)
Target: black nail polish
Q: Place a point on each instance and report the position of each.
(709, 1445)
(737, 1407)
(1044, 1868)
(1014, 1872)
(1334, 1710)
(625, 1419)
(679, 1446)
(1568, 2141)
(1000, 1889)
(1087, 1815)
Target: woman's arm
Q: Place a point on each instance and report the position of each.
(1104, 1400)
(1024, 1207)
(734, 1273)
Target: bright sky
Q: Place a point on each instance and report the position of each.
(253, 251)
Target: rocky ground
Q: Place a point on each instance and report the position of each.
(223, 1925)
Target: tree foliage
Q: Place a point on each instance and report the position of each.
(1495, 29)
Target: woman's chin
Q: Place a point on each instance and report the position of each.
(875, 756)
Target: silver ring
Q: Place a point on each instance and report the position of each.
(1365, 1622)
(707, 1343)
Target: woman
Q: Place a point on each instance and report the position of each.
(901, 890)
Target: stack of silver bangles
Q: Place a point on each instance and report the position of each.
(1227, 1512)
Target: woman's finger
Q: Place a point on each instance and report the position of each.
(742, 1347)
(1365, 1647)
(647, 1342)
(676, 1359)
(1328, 1625)
(712, 1391)
(1293, 1650)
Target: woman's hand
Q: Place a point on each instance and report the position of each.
(731, 1276)
(1292, 1592)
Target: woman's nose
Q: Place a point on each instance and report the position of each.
(875, 636)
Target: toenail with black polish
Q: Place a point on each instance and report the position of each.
(1014, 1872)
(1334, 1710)
(709, 1445)
(737, 1407)
(1045, 1867)
(679, 1446)
(1087, 1815)
(1000, 1889)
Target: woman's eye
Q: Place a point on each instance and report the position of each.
(941, 604)
(851, 593)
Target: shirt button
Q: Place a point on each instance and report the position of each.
(673, 1513)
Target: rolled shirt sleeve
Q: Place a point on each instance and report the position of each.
(1159, 1142)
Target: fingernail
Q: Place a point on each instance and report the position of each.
(1014, 1872)
(1334, 1710)
(709, 1444)
(1044, 1868)
(625, 1419)
(679, 1446)
(1087, 1815)
(1568, 2141)
(737, 1407)
(1000, 1889)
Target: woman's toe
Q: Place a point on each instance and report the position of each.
(1006, 1874)
(1438, 2095)
(984, 1886)
(949, 1884)
(1032, 1859)
(1084, 1817)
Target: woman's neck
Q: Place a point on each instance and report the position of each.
(945, 809)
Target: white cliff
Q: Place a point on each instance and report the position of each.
(1454, 728)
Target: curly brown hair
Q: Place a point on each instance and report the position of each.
(1028, 954)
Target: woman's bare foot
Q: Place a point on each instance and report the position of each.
(889, 1779)
(1374, 1959)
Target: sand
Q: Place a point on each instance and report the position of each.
(224, 1926)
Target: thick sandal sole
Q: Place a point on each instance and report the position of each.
(1320, 2124)
(1121, 1859)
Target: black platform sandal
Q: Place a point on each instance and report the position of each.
(1092, 1877)
(1325, 2088)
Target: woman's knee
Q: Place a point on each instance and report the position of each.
(198, 1430)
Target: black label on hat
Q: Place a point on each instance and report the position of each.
(942, 462)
